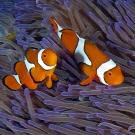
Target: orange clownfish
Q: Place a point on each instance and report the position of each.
(92, 61)
(38, 65)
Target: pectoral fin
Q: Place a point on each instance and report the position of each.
(88, 80)
(37, 74)
(54, 77)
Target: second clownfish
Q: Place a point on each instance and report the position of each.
(92, 61)
(37, 66)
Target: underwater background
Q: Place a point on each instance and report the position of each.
(68, 108)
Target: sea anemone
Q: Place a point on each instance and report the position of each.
(68, 108)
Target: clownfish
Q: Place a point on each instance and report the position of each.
(37, 66)
(92, 61)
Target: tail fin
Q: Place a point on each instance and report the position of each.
(12, 82)
(56, 26)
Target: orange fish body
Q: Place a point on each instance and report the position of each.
(37, 66)
(92, 61)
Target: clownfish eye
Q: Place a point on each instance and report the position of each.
(109, 73)
(44, 55)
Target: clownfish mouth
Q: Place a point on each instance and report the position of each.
(118, 81)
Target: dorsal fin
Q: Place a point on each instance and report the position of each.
(56, 26)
